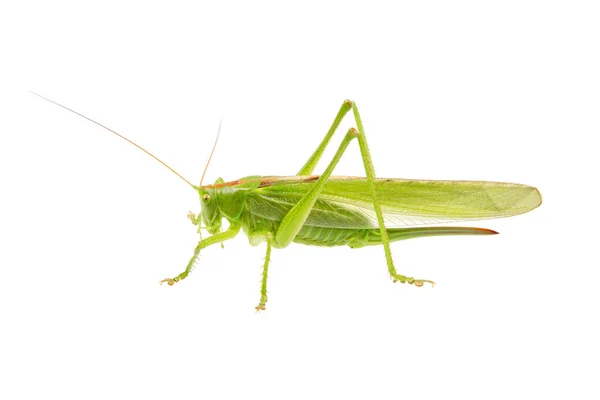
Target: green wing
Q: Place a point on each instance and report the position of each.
(346, 203)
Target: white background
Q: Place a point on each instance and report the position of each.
(507, 91)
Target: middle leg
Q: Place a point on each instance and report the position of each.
(263, 288)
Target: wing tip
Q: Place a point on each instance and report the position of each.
(539, 197)
(485, 231)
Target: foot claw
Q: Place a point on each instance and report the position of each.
(421, 282)
(260, 307)
(169, 281)
(412, 281)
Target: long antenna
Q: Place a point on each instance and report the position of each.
(212, 152)
(119, 135)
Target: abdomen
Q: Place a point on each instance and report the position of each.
(317, 236)
(257, 228)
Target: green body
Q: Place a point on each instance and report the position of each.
(343, 213)
(326, 210)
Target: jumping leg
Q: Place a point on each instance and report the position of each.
(295, 218)
(310, 165)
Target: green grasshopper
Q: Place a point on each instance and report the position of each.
(326, 210)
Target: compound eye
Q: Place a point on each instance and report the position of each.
(206, 197)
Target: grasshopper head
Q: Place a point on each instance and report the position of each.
(210, 211)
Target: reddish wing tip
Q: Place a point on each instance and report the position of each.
(486, 231)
